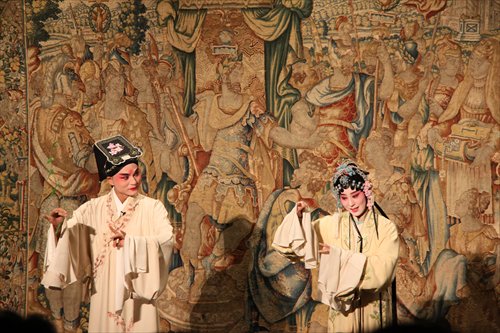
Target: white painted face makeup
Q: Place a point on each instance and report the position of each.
(354, 201)
(127, 181)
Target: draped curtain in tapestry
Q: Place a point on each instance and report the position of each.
(279, 27)
(183, 33)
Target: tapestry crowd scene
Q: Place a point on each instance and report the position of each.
(235, 166)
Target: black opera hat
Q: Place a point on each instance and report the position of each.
(113, 153)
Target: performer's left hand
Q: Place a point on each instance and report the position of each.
(324, 248)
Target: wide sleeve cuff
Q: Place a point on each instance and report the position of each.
(339, 275)
(146, 264)
(299, 239)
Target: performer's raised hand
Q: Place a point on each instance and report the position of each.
(301, 205)
(56, 216)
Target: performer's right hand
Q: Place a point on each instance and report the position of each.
(301, 206)
(56, 216)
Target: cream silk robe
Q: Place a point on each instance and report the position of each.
(355, 285)
(124, 283)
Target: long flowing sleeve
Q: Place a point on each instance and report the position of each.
(295, 238)
(339, 274)
(341, 270)
(146, 258)
(50, 249)
(70, 260)
(59, 272)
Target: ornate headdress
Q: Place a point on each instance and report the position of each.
(349, 175)
(113, 154)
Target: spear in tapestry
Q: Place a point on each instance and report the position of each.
(375, 88)
(317, 45)
(429, 8)
(153, 48)
(185, 137)
(356, 35)
(77, 29)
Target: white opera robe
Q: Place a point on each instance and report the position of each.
(124, 283)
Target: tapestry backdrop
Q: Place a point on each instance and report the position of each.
(243, 108)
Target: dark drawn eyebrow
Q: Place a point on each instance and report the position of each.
(356, 192)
